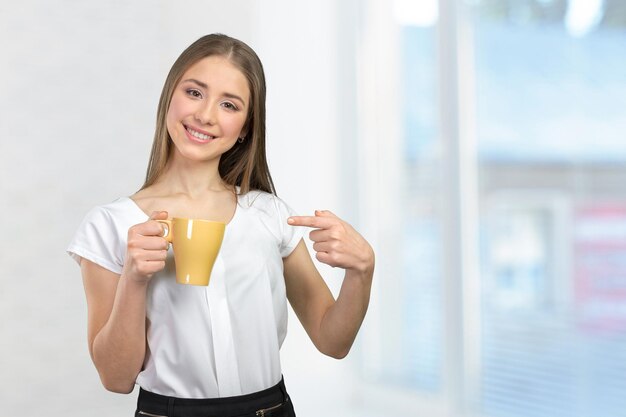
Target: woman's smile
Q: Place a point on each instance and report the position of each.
(198, 136)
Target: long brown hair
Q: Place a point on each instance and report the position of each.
(245, 164)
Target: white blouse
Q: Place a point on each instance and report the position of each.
(217, 341)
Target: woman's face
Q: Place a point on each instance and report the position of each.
(208, 109)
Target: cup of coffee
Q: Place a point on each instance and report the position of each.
(196, 244)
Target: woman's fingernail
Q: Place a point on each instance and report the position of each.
(290, 221)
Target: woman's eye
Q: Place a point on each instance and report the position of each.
(194, 93)
(229, 106)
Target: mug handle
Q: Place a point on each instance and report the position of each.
(168, 228)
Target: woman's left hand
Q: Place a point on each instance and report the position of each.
(336, 243)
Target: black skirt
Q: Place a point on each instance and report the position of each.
(272, 402)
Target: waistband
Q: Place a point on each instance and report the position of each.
(262, 403)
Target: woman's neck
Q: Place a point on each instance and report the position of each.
(193, 179)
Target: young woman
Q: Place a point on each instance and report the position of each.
(198, 351)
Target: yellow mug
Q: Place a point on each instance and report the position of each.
(196, 244)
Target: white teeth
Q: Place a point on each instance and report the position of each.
(199, 135)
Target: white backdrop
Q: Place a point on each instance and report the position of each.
(79, 84)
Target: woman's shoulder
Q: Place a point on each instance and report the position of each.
(101, 235)
(120, 210)
(265, 203)
(272, 212)
(257, 199)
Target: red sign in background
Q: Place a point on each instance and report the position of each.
(600, 267)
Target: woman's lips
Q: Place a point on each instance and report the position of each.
(198, 136)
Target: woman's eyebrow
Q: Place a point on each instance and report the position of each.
(205, 86)
(200, 83)
(234, 96)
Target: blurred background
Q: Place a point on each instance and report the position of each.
(479, 145)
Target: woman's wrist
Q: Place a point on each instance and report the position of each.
(364, 268)
(363, 273)
(133, 287)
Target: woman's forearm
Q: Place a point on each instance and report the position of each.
(343, 319)
(119, 348)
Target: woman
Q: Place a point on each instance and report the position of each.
(198, 351)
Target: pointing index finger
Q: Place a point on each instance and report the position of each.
(309, 221)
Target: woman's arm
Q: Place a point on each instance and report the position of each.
(331, 324)
(116, 326)
(117, 306)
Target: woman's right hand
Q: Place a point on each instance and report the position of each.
(146, 250)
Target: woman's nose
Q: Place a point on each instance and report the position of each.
(205, 114)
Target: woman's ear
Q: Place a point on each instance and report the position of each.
(246, 128)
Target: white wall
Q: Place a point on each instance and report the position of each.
(79, 84)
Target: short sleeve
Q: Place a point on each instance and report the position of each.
(290, 235)
(97, 240)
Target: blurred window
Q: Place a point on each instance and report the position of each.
(548, 83)
(550, 100)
